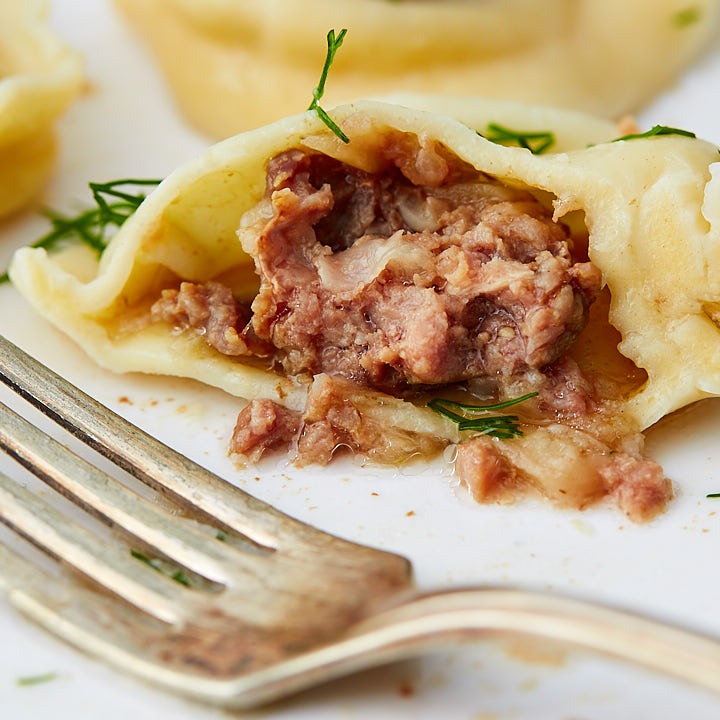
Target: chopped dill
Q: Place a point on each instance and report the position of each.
(178, 576)
(656, 130)
(713, 495)
(687, 16)
(504, 427)
(115, 204)
(333, 45)
(536, 142)
(29, 680)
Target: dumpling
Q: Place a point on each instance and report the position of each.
(234, 65)
(39, 76)
(340, 287)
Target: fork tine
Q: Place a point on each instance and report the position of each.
(166, 470)
(15, 571)
(103, 628)
(111, 567)
(244, 569)
(113, 502)
(148, 459)
(95, 623)
(306, 551)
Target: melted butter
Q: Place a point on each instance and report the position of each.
(596, 352)
(243, 280)
(712, 310)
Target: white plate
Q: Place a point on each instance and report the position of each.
(126, 127)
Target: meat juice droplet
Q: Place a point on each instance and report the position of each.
(450, 454)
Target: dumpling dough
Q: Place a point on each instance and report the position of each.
(234, 65)
(39, 76)
(651, 206)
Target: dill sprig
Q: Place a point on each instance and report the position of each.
(178, 576)
(536, 142)
(656, 130)
(504, 427)
(115, 204)
(333, 45)
(687, 16)
(29, 680)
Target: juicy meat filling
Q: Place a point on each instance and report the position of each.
(390, 283)
(420, 273)
(212, 310)
(331, 421)
(336, 416)
(333, 418)
(566, 464)
(263, 425)
(209, 308)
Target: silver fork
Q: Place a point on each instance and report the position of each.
(236, 603)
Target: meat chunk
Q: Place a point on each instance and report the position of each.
(392, 284)
(485, 471)
(210, 309)
(567, 465)
(331, 421)
(263, 425)
(638, 485)
(335, 417)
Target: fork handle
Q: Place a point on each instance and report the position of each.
(433, 621)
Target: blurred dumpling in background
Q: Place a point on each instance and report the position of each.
(237, 64)
(39, 76)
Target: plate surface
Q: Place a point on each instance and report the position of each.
(125, 126)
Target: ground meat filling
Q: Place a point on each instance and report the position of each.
(333, 419)
(263, 425)
(571, 467)
(419, 274)
(390, 284)
(211, 310)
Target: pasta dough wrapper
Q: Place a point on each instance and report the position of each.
(237, 65)
(651, 206)
(39, 76)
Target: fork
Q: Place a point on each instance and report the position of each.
(237, 604)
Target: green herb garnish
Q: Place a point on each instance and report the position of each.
(657, 130)
(687, 16)
(536, 142)
(115, 204)
(35, 679)
(178, 576)
(713, 495)
(499, 426)
(333, 44)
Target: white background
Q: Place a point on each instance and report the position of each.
(126, 126)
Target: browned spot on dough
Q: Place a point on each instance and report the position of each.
(536, 652)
